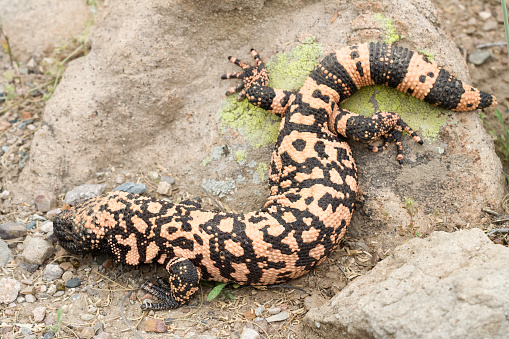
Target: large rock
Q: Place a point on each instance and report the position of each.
(148, 92)
(450, 285)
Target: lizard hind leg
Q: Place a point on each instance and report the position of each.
(183, 283)
(388, 126)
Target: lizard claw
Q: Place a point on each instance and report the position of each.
(250, 76)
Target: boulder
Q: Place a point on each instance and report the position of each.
(450, 285)
(149, 94)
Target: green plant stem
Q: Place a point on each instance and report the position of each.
(506, 24)
(72, 54)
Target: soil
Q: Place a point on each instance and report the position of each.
(107, 284)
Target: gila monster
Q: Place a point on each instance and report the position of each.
(313, 180)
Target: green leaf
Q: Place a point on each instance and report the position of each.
(215, 291)
(59, 320)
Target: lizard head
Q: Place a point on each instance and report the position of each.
(77, 231)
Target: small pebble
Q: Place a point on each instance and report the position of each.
(490, 25)
(43, 288)
(479, 56)
(31, 268)
(4, 126)
(53, 213)
(39, 313)
(120, 179)
(37, 217)
(45, 200)
(66, 265)
(4, 195)
(72, 283)
(20, 300)
(48, 335)
(5, 254)
(47, 227)
(83, 192)
(249, 333)
(4, 148)
(87, 317)
(58, 294)
(98, 327)
(31, 225)
(27, 281)
(30, 298)
(155, 325)
(23, 124)
(37, 250)
(27, 290)
(52, 272)
(164, 188)
(87, 333)
(66, 276)
(259, 310)
(52, 289)
(9, 289)
(274, 310)
(131, 187)
(91, 309)
(278, 317)
(103, 335)
(169, 180)
(11, 230)
(30, 336)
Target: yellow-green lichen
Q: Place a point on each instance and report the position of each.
(262, 170)
(287, 71)
(428, 54)
(290, 70)
(419, 115)
(391, 35)
(206, 161)
(241, 155)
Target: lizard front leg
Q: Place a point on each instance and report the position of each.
(254, 86)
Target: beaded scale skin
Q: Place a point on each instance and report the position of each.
(313, 180)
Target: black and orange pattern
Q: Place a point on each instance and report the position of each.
(313, 181)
